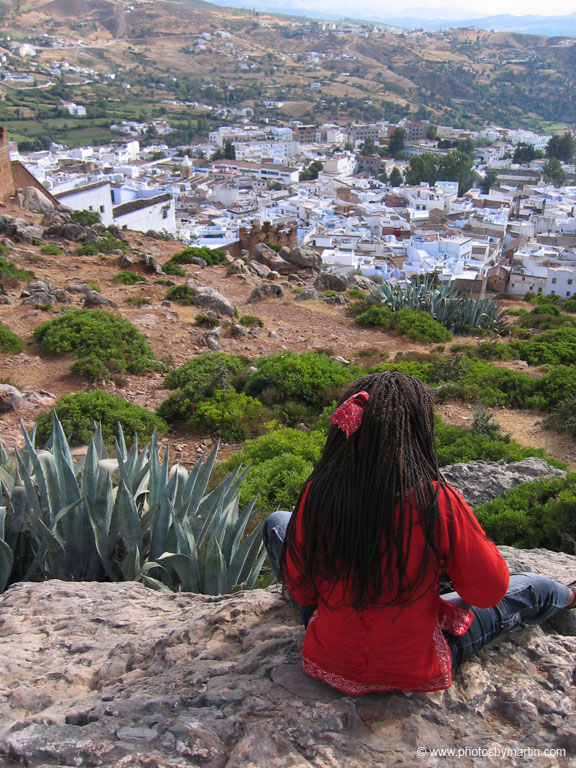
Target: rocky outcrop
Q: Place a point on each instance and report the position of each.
(328, 281)
(209, 298)
(482, 481)
(41, 294)
(119, 675)
(268, 256)
(19, 229)
(265, 291)
(306, 258)
(32, 199)
(310, 294)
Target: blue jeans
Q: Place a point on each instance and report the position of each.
(530, 599)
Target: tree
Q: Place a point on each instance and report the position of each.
(422, 168)
(561, 147)
(432, 133)
(229, 150)
(525, 153)
(368, 148)
(311, 173)
(395, 177)
(457, 166)
(397, 142)
(490, 180)
(553, 173)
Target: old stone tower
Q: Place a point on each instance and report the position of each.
(6, 178)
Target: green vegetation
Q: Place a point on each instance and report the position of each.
(538, 514)
(207, 321)
(85, 218)
(8, 270)
(233, 415)
(127, 277)
(183, 294)
(417, 325)
(107, 243)
(250, 321)
(97, 338)
(132, 518)
(79, 412)
(10, 342)
(51, 250)
(188, 255)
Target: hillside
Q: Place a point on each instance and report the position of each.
(174, 337)
(181, 60)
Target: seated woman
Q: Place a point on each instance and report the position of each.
(375, 528)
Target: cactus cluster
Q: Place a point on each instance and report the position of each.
(130, 517)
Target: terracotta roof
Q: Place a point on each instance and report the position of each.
(137, 205)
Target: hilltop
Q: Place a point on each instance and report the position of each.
(184, 60)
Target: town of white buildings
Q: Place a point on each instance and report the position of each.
(519, 237)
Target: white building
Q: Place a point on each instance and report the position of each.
(154, 213)
(90, 197)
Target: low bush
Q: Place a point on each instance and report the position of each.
(7, 269)
(183, 294)
(10, 342)
(537, 514)
(419, 326)
(207, 321)
(307, 378)
(127, 277)
(90, 335)
(187, 256)
(232, 415)
(173, 269)
(250, 321)
(51, 250)
(138, 301)
(85, 218)
(354, 293)
(78, 412)
(106, 244)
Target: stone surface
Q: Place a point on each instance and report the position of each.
(310, 294)
(120, 675)
(304, 257)
(210, 298)
(96, 299)
(327, 281)
(481, 481)
(265, 291)
(268, 256)
(32, 199)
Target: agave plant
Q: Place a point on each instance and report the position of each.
(444, 302)
(132, 517)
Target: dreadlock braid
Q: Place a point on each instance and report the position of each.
(368, 492)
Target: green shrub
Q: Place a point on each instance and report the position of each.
(78, 412)
(183, 294)
(278, 465)
(174, 269)
(7, 269)
(375, 316)
(85, 218)
(307, 378)
(537, 514)
(563, 416)
(250, 321)
(87, 334)
(211, 257)
(419, 326)
(550, 347)
(163, 281)
(10, 342)
(330, 294)
(233, 415)
(354, 293)
(51, 250)
(138, 301)
(127, 277)
(275, 246)
(207, 321)
(106, 244)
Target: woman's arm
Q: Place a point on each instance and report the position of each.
(476, 568)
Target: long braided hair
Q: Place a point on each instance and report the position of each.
(366, 494)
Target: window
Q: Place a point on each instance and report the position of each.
(554, 280)
(539, 290)
(567, 293)
(102, 208)
(569, 282)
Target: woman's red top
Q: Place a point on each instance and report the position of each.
(385, 648)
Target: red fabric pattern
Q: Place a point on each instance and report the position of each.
(348, 416)
(386, 648)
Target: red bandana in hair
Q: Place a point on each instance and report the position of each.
(348, 416)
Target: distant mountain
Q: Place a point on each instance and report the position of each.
(421, 18)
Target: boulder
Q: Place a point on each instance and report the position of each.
(95, 299)
(238, 267)
(121, 676)
(304, 257)
(238, 330)
(211, 339)
(328, 281)
(209, 298)
(79, 288)
(482, 481)
(310, 294)
(32, 199)
(10, 398)
(125, 261)
(268, 256)
(265, 291)
(361, 282)
(73, 231)
(150, 263)
(260, 270)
